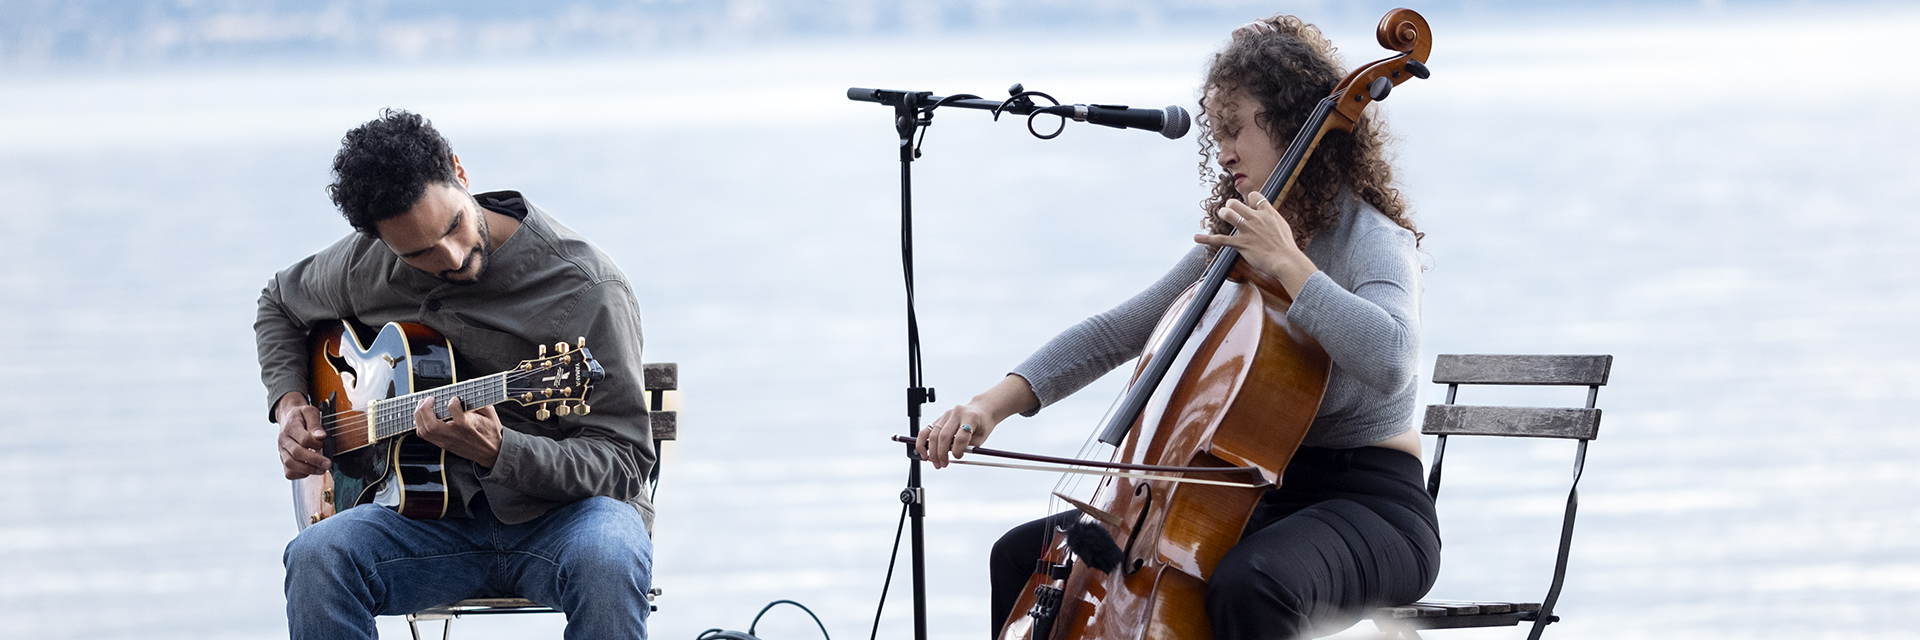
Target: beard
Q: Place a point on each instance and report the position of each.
(482, 250)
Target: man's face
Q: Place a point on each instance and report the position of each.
(444, 234)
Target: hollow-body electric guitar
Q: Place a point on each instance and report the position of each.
(367, 393)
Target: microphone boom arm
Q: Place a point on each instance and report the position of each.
(1171, 122)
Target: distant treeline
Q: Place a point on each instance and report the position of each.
(43, 33)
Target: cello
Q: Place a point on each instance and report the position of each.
(1244, 388)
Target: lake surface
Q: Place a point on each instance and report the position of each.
(1725, 207)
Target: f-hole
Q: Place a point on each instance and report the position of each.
(1143, 491)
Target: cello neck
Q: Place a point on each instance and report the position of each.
(1281, 180)
(1162, 355)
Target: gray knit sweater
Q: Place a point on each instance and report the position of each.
(1363, 306)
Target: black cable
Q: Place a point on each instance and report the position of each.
(771, 605)
(722, 634)
(887, 584)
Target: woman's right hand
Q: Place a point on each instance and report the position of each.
(968, 425)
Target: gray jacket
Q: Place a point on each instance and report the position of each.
(545, 284)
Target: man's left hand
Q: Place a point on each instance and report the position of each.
(474, 435)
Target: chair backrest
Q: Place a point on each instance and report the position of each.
(1582, 424)
(662, 377)
(662, 383)
(1539, 422)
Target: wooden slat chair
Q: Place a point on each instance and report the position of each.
(1533, 422)
(663, 411)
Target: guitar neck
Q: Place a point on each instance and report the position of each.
(394, 416)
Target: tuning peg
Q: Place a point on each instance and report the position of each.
(526, 397)
(563, 409)
(582, 344)
(1418, 70)
(1379, 88)
(566, 391)
(561, 347)
(542, 414)
(583, 409)
(543, 351)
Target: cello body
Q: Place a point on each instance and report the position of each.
(1248, 387)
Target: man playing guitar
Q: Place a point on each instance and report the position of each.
(553, 510)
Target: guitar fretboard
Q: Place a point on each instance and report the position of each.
(394, 416)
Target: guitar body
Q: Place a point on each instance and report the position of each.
(349, 373)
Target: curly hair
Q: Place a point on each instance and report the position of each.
(1286, 66)
(385, 165)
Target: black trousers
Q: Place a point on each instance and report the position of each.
(1348, 530)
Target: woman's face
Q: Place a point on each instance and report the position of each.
(1245, 150)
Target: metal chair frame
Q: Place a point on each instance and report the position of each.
(662, 379)
(1582, 425)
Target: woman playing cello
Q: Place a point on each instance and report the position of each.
(1350, 527)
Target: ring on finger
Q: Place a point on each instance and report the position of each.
(967, 428)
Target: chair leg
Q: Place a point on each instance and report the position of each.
(446, 627)
(1390, 632)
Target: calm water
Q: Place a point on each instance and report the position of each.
(1736, 233)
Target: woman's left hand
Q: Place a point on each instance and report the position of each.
(1265, 241)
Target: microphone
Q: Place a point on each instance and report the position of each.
(1171, 122)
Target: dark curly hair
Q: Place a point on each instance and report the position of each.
(385, 165)
(1286, 66)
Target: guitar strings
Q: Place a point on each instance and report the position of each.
(388, 410)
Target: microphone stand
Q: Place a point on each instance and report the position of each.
(908, 119)
(912, 113)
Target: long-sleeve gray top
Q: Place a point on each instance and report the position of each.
(1363, 306)
(545, 284)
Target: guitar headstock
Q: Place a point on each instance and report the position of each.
(556, 383)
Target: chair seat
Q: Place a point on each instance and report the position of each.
(479, 606)
(1454, 614)
(485, 606)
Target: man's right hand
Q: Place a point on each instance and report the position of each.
(300, 437)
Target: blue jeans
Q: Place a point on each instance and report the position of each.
(592, 560)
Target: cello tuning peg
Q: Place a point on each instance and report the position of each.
(1418, 70)
(1379, 88)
